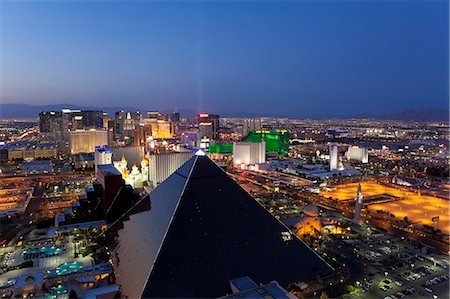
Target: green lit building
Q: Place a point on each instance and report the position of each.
(221, 148)
(277, 141)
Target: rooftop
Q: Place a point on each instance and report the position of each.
(245, 287)
(108, 169)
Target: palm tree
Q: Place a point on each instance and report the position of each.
(73, 294)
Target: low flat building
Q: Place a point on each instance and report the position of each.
(245, 287)
(30, 151)
(83, 161)
(44, 166)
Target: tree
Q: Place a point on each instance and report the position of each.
(73, 294)
(44, 223)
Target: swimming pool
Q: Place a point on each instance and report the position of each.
(45, 250)
(65, 269)
(58, 290)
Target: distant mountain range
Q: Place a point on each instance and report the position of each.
(425, 114)
(32, 111)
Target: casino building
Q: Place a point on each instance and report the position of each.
(197, 231)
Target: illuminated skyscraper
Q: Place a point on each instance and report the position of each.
(106, 120)
(333, 157)
(158, 125)
(252, 124)
(175, 117)
(126, 122)
(51, 125)
(208, 125)
(249, 153)
(175, 122)
(358, 153)
(85, 119)
(85, 141)
(55, 125)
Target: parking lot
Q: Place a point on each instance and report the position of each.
(397, 268)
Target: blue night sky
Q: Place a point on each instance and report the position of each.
(285, 57)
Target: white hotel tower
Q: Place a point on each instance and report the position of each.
(358, 153)
(333, 157)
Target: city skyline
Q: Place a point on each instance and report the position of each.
(264, 149)
(303, 58)
(151, 204)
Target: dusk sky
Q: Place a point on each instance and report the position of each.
(289, 57)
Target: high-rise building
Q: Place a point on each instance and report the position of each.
(334, 160)
(175, 117)
(126, 122)
(175, 122)
(55, 125)
(105, 120)
(191, 139)
(277, 141)
(197, 230)
(252, 124)
(51, 125)
(248, 153)
(139, 134)
(358, 153)
(160, 126)
(85, 141)
(161, 166)
(154, 115)
(111, 181)
(85, 119)
(208, 125)
(163, 130)
(358, 206)
(47, 119)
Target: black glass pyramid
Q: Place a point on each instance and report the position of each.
(202, 231)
